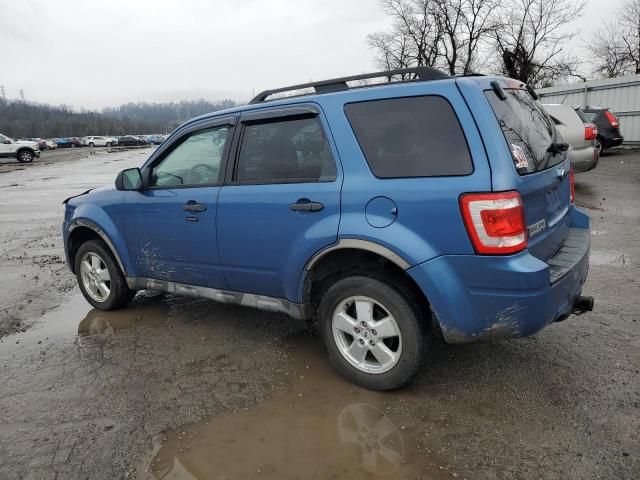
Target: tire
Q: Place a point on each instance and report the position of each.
(119, 294)
(91, 144)
(73, 145)
(25, 156)
(599, 146)
(108, 144)
(388, 300)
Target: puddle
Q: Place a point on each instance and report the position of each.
(61, 323)
(324, 428)
(612, 258)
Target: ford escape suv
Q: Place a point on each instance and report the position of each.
(392, 212)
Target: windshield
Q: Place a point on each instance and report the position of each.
(529, 131)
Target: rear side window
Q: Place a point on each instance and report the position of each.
(529, 131)
(286, 150)
(583, 116)
(410, 137)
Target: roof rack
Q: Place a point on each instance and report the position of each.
(339, 84)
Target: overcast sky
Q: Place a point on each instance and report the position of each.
(97, 53)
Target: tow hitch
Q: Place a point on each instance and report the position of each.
(582, 304)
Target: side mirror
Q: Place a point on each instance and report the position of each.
(129, 179)
(8, 142)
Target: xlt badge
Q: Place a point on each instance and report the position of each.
(537, 227)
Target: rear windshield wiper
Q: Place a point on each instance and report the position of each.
(558, 147)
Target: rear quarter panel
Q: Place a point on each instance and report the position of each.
(428, 221)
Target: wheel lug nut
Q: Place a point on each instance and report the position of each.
(364, 324)
(374, 332)
(372, 343)
(361, 342)
(357, 330)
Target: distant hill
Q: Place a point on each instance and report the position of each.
(20, 119)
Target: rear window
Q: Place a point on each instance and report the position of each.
(529, 131)
(583, 116)
(410, 137)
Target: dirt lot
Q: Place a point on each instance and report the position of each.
(180, 389)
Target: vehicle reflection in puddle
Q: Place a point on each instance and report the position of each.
(323, 428)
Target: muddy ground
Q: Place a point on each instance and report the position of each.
(176, 388)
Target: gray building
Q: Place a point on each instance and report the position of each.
(621, 95)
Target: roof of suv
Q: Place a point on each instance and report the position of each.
(311, 91)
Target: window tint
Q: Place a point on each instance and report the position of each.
(287, 150)
(582, 116)
(410, 137)
(529, 131)
(195, 161)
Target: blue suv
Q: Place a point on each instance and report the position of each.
(393, 212)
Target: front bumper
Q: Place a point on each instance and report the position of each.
(36, 153)
(479, 297)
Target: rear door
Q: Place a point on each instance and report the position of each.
(281, 200)
(541, 166)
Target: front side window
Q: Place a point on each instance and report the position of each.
(410, 137)
(195, 161)
(529, 131)
(285, 150)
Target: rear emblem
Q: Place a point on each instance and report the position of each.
(537, 227)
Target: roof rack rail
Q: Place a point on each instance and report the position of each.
(339, 84)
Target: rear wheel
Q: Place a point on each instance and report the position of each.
(91, 144)
(599, 146)
(373, 331)
(100, 278)
(25, 156)
(108, 144)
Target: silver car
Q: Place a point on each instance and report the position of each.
(580, 136)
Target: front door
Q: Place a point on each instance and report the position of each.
(281, 203)
(171, 224)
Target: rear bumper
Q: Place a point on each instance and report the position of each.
(478, 297)
(584, 159)
(613, 142)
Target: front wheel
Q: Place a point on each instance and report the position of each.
(100, 278)
(373, 332)
(25, 156)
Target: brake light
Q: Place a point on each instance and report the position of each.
(494, 222)
(590, 132)
(612, 119)
(572, 185)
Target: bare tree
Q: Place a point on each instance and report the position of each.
(530, 39)
(630, 32)
(608, 52)
(464, 25)
(434, 33)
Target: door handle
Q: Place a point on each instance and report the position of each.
(193, 206)
(306, 205)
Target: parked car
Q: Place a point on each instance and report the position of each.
(94, 141)
(129, 141)
(77, 142)
(63, 142)
(469, 232)
(48, 144)
(608, 125)
(22, 150)
(580, 137)
(155, 139)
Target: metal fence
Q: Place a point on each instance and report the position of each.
(621, 95)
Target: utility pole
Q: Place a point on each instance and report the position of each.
(22, 95)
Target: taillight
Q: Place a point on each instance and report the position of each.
(612, 119)
(590, 132)
(494, 222)
(572, 185)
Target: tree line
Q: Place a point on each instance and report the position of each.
(20, 118)
(521, 39)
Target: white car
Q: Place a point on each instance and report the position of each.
(579, 135)
(22, 150)
(100, 141)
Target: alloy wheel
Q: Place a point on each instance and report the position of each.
(366, 334)
(95, 277)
